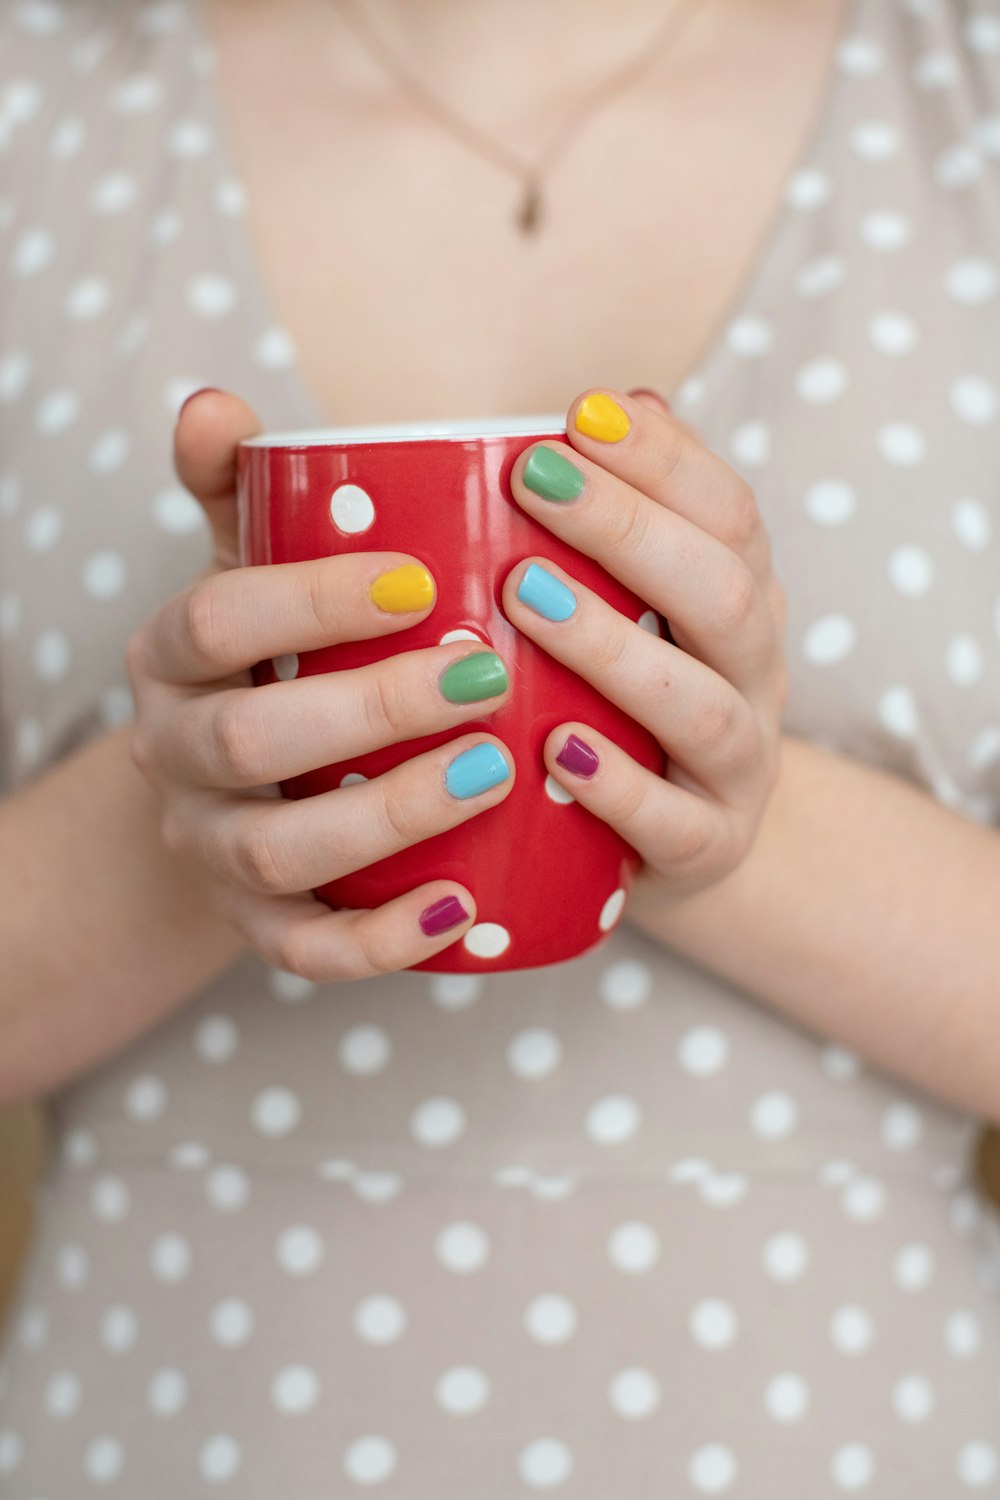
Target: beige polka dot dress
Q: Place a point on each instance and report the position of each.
(609, 1229)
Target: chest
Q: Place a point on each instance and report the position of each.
(391, 251)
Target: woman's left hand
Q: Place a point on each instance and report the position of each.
(676, 525)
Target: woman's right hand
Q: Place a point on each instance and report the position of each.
(215, 746)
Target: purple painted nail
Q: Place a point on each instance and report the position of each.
(577, 757)
(437, 918)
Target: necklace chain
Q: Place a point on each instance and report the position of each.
(529, 214)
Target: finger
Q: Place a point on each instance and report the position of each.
(248, 736)
(681, 835)
(659, 455)
(698, 716)
(302, 935)
(225, 623)
(280, 846)
(710, 596)
(648, 397)
(210, 425)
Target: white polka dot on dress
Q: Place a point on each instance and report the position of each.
(785, 1256)
(852, 1467)
(712, 1469)
(912, 1399)
(786, 1397)
(369, 1460)
(295, 1389)
(103, 1460)
(545, 1463)
(113, 193)
(227, 1187)
(380, 1320)
(634, 1393)
(364, 1050)
(276, 1111)
(829, 640)
(851, 1330)
(462, 1390)
(231, 1323)
(534, 1053)
(438, 1122)
(634, 1247)
(551, 1318)
(219, 1458)
(713, 1323)
(33, 252)
(612, 1120)
(462, 1247)
(830, 502)
(300, 1250)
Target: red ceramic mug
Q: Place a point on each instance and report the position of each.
(550, 880)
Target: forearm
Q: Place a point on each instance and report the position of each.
(102, 931)
(866, 911)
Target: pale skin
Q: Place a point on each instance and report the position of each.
(851, 901)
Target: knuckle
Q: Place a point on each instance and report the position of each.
(260, 859)
(141, 751)
(401, 818)
(744, 748)
(173, 831)
(324, 601)
(738, 599)
(693, 845)
(137, 655)
(236, 746)
(202, 622)
(742, 516)
(366, 955)
(627, 526)
(715, 722)
(626, 801)
(386, 714)
(670, 445)
(609, 651)
(291, 951)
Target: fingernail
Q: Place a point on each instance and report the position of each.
(437, 918)
(475, 771)
(202, 389)
(402, 589)
(599, 417)
(545, 594)
(479, 675)
(552, 476)
(577, 757)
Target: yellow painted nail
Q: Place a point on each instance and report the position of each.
(403, 589)
(599, 417)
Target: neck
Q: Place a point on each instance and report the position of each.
(519, 65)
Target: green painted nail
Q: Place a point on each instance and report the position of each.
(552, 476)
(479, 675)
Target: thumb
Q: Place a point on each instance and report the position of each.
(649, 397)
(209, 425)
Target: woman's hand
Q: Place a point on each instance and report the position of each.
(676, 525)
(215, 746)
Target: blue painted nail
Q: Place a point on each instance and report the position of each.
(475, 771)
(545, 594)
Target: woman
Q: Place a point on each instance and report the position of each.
(693, 1214)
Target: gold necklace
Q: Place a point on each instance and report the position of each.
(529, 214)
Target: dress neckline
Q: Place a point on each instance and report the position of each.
(704, 371)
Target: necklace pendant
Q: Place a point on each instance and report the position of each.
(530, 214)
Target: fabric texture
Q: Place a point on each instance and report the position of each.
(607, 1228)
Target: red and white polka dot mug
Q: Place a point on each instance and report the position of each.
(550, 880)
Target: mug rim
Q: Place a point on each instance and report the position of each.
(458, 430)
